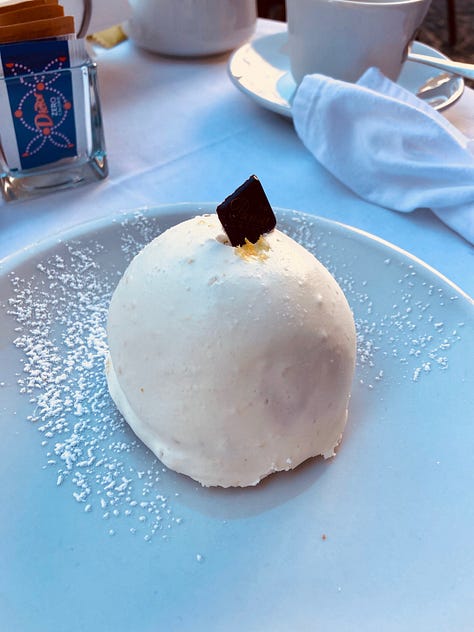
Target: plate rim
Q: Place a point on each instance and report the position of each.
(16, 258)
(285, 111)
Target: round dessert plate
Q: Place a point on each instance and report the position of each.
(261, 69)
(97, 535)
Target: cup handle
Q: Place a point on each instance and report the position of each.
(86, 18)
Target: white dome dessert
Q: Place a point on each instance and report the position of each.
(230, 363)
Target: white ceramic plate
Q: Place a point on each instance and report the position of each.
(261, 69)
(97, 535)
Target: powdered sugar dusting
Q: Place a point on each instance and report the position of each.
(398, 324)
(61, 315)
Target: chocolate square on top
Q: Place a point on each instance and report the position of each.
(246, 213)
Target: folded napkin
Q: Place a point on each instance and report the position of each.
(388, 146)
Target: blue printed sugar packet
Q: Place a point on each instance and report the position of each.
(39, 101)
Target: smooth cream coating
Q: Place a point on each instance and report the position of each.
(230, 365)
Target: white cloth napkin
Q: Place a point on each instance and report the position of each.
(388, 146)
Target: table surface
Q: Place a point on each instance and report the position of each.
(179, 131)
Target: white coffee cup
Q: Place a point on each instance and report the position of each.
(191, 27)
(342, 38)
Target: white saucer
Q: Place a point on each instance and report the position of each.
(261, 69)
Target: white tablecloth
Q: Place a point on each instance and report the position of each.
(179, 131)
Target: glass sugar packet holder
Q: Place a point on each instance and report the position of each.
(51, 130)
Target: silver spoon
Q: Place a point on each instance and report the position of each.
(435, 83)
(440, 91)
(455, 67)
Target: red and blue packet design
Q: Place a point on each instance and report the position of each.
(40, 94)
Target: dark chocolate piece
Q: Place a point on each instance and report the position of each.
(246, 213)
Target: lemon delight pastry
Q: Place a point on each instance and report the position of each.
(231, 347)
